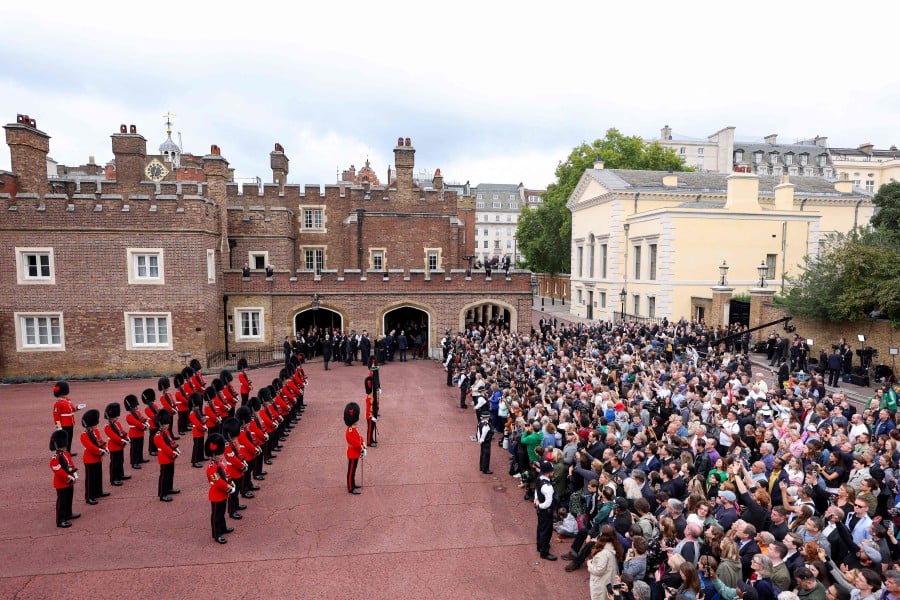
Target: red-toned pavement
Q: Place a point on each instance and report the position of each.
(428, 524)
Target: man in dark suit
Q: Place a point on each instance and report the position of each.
(835, 364)
(747, 547)
(647, 491)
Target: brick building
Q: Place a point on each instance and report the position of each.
(130, 275)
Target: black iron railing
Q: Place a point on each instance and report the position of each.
(618, 316)
(255, 356)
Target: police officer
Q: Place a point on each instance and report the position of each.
(543, 503)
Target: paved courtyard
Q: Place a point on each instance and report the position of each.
(427, 525)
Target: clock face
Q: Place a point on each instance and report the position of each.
(156, 171)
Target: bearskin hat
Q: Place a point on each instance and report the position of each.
(113, 410)
(369, 384)
(215, 445)
(61, 389)
(163, 383)
(195, 365)
(148, 396)
(59, 439)
(231, 427)
(163, 417)
(242, 364)
(226, 376)
(265, 394)
(209, 393)
(131, 402)
(178, 380)
(243, 414)
(187, 373)
(91, 418)
(195, 400)
(254, 404)
(218, 385)
(283, 374)
(351, 414)
(277, 383)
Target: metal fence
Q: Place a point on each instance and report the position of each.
(618, 316)
(254, 356)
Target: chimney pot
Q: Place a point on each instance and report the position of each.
(132, 129)
(408, 144)
(123, 128)
(399, 141)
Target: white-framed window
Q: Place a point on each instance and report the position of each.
(210, 266)
(496, 218)
(637, 263)
(480, 204)
(485, 231)
(682, 151)
(603, 260)
(485, 243)
(820, 160)
(770, 265)
(249, 323)
(700, 151)
(148, 331)
(512, 197)
(479, 196)
(757, 157)
(870, 185)
(738, 156)
(433, 258)
(314, 259)
(514, 206)
(496, 205)
(35, 266)
(377, 259)
(776, 171)
(762, 170)
(792, 170)
(602, 297)
(653, 258)
(808, 171)
(146, 266)
(39, 331)
(788, 159)
(580, 299)
(651, 307)
(496, 244)
(508, 244)
(258, 259)
(773, 158)
(803, 157)
(495, 196)
(636, 305)
(312, 218)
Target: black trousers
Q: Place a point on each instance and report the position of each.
(116, 465)
(197, 451)
(834, 377)
(182, 422)
(70, 431)
(64, 503)
(166, 479)
(484, 462)
(151, 444)
(544, 531)
(234, 500)
(93, 481)
(352, 463)
(371, 432)
(245, 398)
(217, 518)
(137, 450)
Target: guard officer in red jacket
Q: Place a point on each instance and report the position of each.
(371, 419)
(118, 439)
(198, 429)
(168, 453)
(65, 474)
(246, 384)
(235, 466)
(355, 446)
(64, 412)
(220, 487)
(137, 425)
(94, 451)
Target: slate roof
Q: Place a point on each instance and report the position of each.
(620, 179)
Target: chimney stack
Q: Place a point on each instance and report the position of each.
(743, 192)
(598, 164)
(867, 148)
(670, 179)
(665, 133)
(771, 138)
(404, 161)
(784, 194)
(28, 149)
(130, 150)
(437, 181)
(279, 163)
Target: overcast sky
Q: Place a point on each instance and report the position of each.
(494, 92)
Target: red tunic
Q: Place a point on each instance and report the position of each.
(165, 447)
(62, 478)
(117, 437)
(234, 464)
(151, 412)
(246, 446)
(246, 384)
(167, 402)
(93, 453)
(199, 423)
(220, 407)
(259, 436)
(369, 414)
(198, 382)
(354, 442)
(267, 422)
(181, 404)
(281, 406)
(219, 484)
(64, 413)
(136, 425)
(211, 417)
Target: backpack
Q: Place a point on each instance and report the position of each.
(653, 527)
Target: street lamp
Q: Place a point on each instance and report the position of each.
(622, 296)
(534, 287)
(315, 307)
(763, 270)
(723, 273)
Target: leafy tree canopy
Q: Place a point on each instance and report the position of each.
(887, 201)
(545, 233)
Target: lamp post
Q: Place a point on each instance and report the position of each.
(315, 307)
(723, 274)
(622, 296)
(534, 286)
(763, 270)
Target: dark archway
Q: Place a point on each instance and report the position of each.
(414, 322)
(306, 320)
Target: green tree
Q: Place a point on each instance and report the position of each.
(544, 234)
(888, 202)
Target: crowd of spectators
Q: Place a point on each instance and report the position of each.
(680, 472)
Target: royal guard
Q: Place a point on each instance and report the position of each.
(220, 487)
(219, 404)
(168, 453)
(167, 398)
(258, 430)
(64, 412)
(229, 394)
(137, 425)
(250, 449)
(65, 474)
(198, 429)
(213, 420)
(246, 384)
(355, 447)
(197, 378)
(117, 440)
(371, 419)
(148, 397)
(235, 467)
(269, 418)
(94, 451)
(181, 405)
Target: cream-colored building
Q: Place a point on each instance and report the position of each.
(866, 167)
(661, 237)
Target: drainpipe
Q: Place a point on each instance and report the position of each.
(360, 213)
(225, 315)
(856, 212)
